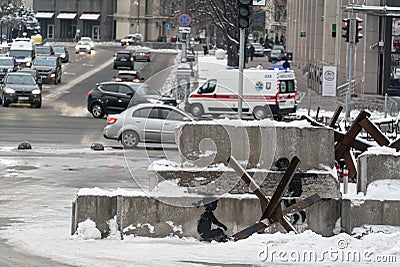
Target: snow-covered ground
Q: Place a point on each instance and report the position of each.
(44, 222)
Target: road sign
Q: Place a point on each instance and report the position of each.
(185, 29)
(184, 20)
(259, 3)
(168, 26)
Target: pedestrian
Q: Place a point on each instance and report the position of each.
(205, 49)
(251, 51)
(247, 54)
(286, 64)
(205, 222)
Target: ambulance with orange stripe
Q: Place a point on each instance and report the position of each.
(266, 93)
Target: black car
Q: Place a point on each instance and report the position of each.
(20, 87)
(62, 53)
(128, 76)
(115, 97)
(124, 59)
(7, 64)
(35, 75)
(44, 50)
(49, 68)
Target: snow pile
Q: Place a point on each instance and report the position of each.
(368, 229)
(378, 150)
(87, 230)
(113, 226)
(384, 190)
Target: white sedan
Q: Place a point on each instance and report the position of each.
(83, 46)
(145, 123)
(89, 40)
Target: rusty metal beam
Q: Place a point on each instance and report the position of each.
(357, 144)
(395, 144)
(350, 165)
(375, 132)
(350, 136)
(274, 203)
(264, 199)
(335, 117)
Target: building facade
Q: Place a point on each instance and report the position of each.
(103, 20)
(314, 35)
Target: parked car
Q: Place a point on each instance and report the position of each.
(83, 46)
(142, 54)
(258, 50)
(34, 73)
(7, 64)
(131, 39)
(128, 76)
(90, 41)
(49, 68)
(42, 50)
(276, 55)
(115, 97)
(61, 52)
(124, 59)
(18, 88)
(145, 123)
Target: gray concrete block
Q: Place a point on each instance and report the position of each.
(146, 216)
(257, 145)
(220, 182)
(358, 212)
(373, 167)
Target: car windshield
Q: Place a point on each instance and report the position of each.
(44, 62)
(144, 90)
(129, 37)
(20, 79)
(59, 50)
(42, 50)
(6, 62)
(128, 76)
(21, 53)
(142, 50)
(83, 43)
(257, 46)
(276, 51)
(30, 71)
(87, 39)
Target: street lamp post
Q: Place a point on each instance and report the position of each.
(137, 2)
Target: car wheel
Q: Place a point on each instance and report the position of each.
(148, 60)
(5, 103)
(129, 139)
(97, 111)
(259, 113)
(114, 67)
(55, 80)
(38, 105)
(197, 110)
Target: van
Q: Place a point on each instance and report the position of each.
(266, 93)
(23, 49)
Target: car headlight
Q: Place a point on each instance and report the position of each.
(52, 75)
(9, 91)
(28, 64)
(9, 70)
(36, 92)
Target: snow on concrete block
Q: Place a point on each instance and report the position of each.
(376, 165)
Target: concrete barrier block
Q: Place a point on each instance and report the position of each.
(258, 143)
(219, 182)
(373, 167)
(99, 209)
(358, 212)
(145, 216)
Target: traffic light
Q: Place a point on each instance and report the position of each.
(244, 13)
(346, 29)
(359, 28)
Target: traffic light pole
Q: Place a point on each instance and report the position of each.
(351, 42)
(241, 67)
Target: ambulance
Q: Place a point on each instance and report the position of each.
(266, 93)
(23, 49)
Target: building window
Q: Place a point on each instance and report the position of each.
(96, 32)
(50, 31)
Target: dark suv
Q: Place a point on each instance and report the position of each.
(128, 76)
(7, 64)
(49, 68)
(124, 59)
(115, 97)
(20, 87)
